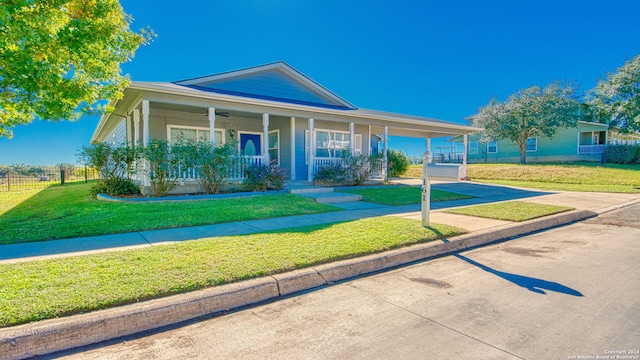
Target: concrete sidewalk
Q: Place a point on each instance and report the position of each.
(48, 336)
(352, 211)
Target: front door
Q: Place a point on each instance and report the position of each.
(250, 144)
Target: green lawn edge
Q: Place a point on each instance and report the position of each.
(44, 289)
(510, 211)
(394, 195)
(70, 211)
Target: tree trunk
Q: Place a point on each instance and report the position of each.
(523, 153)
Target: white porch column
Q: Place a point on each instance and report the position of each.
(212, 126)
(145, 122)
(136, 127)
(145, 138)
(265, 142)
(369, 141)
(293, 147)
(352, 137)
(312, 149)
(385, 151)
(465, 150)
(129, 131)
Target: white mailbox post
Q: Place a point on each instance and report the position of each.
(426, 189)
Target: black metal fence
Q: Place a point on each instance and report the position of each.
(26, 177)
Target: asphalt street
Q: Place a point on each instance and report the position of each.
(567, 293)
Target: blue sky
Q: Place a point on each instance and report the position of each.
(439, 59)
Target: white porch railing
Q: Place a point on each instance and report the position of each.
(320, 162)
(184, 173)
(590, 149)
(240, 163)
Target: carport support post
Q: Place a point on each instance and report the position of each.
(426, 189)
(385, 152)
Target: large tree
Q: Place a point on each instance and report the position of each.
(60, 59)
(531, 112)
(618, 96)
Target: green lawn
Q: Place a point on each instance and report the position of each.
(511, 210)
(45, 289)
(402, 195)
(579, 176)
(70, 211)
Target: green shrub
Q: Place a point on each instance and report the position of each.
(360, 167)
(111, 161)
(398, 163)
(115, 164)
(166, 162)
(213, 164)
(264, 177)
(115, 187)
(621, 154)
(335, 174)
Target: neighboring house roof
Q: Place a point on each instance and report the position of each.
(277, 87)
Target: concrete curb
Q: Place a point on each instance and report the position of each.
(49, 336)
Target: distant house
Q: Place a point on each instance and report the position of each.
(273, 111)
(585, 142)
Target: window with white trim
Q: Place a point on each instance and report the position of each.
(331, 143)
(492, 147)
(274, 145)
(473, 147)
(177, 133)
(532, 144)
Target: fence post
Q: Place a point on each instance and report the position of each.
(9, 179)
(61, 175)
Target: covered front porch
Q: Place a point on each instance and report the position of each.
(301, 143)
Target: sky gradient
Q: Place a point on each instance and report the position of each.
(438, 59)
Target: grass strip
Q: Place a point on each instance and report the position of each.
(565, 187)
(70, 211)
(576, 176)
(510, 211)
(38, 290)
(402, 195)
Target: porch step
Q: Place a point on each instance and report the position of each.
(303, 190)
(333, 197)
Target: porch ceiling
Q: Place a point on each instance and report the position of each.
(192, 109)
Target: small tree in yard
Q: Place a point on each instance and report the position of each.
(528, 113)
(618, 96)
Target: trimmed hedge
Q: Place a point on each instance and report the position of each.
(622, 154)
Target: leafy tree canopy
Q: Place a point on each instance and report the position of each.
(618, 96)
(60, 59)
(531, 112)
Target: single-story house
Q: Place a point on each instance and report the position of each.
(584, 142)
(273, 111)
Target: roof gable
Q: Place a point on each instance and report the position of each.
(277, 82)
